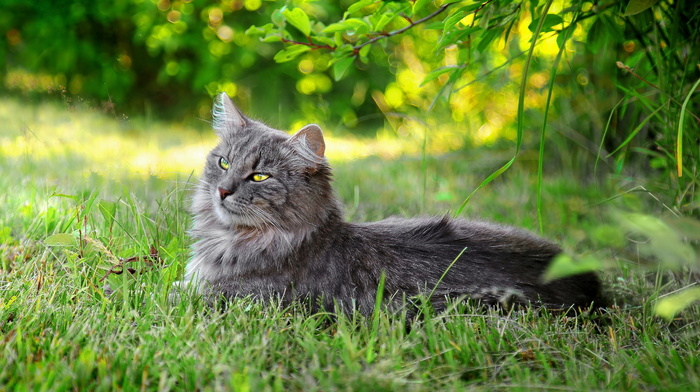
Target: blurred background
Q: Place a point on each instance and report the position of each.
(623, 102)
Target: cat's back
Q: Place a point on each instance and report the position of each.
(457, 234)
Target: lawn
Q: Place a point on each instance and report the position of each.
(91, 200)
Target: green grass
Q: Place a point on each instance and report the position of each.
(72, 205)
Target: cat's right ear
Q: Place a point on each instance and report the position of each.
(226, 118)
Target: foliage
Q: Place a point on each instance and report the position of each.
(609, 85)
(655, 46)
(163, 57)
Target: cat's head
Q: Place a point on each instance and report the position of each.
(261, 178)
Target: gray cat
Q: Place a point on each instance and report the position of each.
(267, 224)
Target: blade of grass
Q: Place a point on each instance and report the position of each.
(521, 110)
(635, 131)
(679, 136)
(540, 160)
(449, 267)
(375, 319)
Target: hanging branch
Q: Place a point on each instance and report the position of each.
(356, 49)
(403, 29)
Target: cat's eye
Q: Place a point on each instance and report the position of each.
(257, 177)
(223, 163)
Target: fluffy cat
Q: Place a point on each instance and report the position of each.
(267, 224)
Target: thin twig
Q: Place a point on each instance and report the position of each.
(119, 268)
(622, 65)
(403, 29)
(310, 44)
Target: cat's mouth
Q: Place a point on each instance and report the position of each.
(229, 215)
(233, 214)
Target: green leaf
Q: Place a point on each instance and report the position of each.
(419, 5)
(603, 32)
(686, 227)
(338, 39)
(658, 240)
(108, 209)
(290, 53)
(61, 239)
(72, 197)
(565, 265)
(486, 15)
(364, 51)
(434, 74)
(550, 20)
(271, 38)
(636, 6)
(488, 179)
(340, 67)
(324, 40)
(565, 35)
(277, 17)
(486, 38)
(454, 37)
(298, 18)
(607, 236)
(384, 20)
(355, 25)
(452, 20)
(336, 28)
(260, 30)
(360, 5)
(669, 306)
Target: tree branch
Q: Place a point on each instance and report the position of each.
(401, 30)
(357, 48)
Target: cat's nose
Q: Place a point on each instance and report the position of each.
(224, 192)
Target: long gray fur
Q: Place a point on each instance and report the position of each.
(285, 236)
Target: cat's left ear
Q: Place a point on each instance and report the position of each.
(226, 118)
(309, 142)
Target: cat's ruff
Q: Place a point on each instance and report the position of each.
(267, 224)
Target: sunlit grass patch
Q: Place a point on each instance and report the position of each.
(88, 141)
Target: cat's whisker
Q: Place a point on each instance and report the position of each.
(265, 218)
(204, 184)
(268, 222)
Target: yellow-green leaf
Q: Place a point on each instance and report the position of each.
(341, 67)
(419, 5)
(298, 18)
(564, 265)
(359, 5)
(434, 74)
(61, 239)
(636, 6)
(661, 241)
(669, 306)
(290, 53)
(384, 20)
